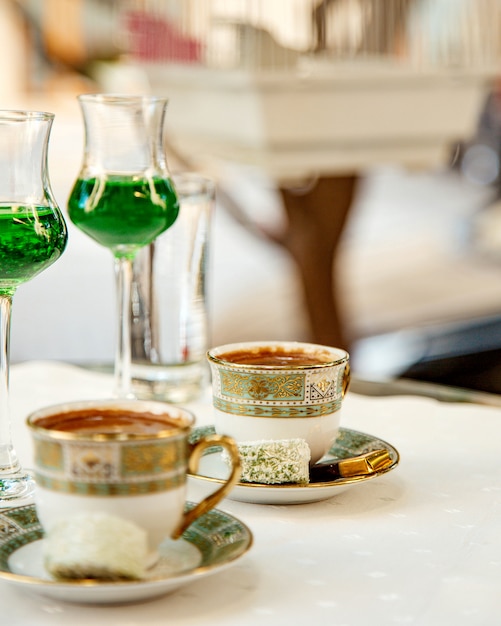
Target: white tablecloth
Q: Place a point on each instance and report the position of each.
(420, 545)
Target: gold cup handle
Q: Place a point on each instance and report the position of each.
(214, 498)
(346, 380)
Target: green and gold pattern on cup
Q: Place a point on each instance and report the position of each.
(266, 391)
(108, 468)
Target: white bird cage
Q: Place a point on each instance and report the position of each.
(313, 86)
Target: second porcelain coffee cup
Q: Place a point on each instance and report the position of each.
(126, 458)
(273, 390)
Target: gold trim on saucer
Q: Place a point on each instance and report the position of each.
(217, 538)
(361, 456)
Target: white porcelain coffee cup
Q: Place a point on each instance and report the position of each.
(126, 458)
(274, 390)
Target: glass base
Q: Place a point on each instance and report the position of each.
(169, 383)
(16, 489)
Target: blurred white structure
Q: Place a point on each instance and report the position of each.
(306, 87)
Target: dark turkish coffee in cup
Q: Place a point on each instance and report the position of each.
(276, 357)
(107, 421)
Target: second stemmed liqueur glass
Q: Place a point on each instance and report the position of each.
(123, 196)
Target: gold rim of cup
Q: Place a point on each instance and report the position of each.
(214, 354)
(156, 409)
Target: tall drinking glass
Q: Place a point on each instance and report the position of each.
(123, 197)
(32, 236)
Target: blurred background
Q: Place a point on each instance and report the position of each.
(355, 145)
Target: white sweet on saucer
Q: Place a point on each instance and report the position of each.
(274, 462)
(96, 545)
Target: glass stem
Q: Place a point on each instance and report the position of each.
(9, 464)
(123, 277)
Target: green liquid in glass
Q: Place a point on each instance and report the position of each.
(31, 239)
(123, 214)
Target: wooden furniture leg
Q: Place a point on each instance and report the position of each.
(316, 219)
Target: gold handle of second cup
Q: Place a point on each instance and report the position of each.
(214, 498)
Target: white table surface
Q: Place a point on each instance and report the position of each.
(420, 545)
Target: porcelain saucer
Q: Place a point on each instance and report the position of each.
(212, 543)
(349, 443)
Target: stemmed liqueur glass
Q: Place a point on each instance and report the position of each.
(123, 197)
(32, 236)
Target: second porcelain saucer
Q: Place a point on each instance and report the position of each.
(350, 443)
